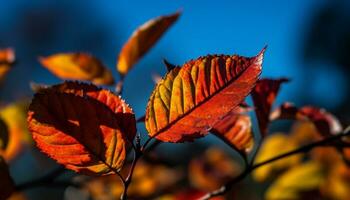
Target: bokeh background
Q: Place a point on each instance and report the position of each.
(308, 41)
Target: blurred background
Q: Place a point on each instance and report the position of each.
(308, 42)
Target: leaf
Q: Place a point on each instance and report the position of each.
(301, 178)
(78, 66)
(236, 130)
(7, 59)
(82, 127)
(326, 123)
(190, 100)
(14, 116)
(169, 66)
(6, 183)
(264, 95)
(142, 39)
(275, 145)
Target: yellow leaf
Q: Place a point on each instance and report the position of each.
(275, 145)
(78, 66)
(142, 39)
(301, 178)
(15, 117)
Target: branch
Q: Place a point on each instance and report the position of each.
(304, 149)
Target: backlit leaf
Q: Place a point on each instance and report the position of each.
(299, 179)
(190, 100)
(82, 127)
(7, 59)
(14, 116)
(78, 66)
(264, 95)
(6, 183)
(236, 131)
(325, 122)
(142, 39)
(275, 145)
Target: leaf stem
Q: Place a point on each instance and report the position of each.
(137, 154)
(223, 189)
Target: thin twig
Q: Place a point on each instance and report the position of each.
(222, 190)
(137, 155)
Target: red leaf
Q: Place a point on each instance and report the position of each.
(190, 100)
(326, 123)
(235, 130)
(82, 127)
(264, 95)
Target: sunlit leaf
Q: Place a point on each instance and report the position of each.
(6, 183)
(264, 95)
(7, 59)
(212, 170)
(275, 145)
(299, 179)
(236, 130)
(78, 66)
(82, 127)
(325, 122)
(142, 39)
(190, 100)
(14, 116)
(338, 182)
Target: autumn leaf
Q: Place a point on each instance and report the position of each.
(6, 183)
(299, 179)
(7, 59)
(236, 130)
(264, 95)
(325, 122)
(275, 145)
(14, 116)
(78, 66)
(190, 100)
(142, 39)
(82, 127)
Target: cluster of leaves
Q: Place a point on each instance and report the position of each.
(91, 130)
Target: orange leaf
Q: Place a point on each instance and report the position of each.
(7, 59)
(6, 182)
(264, 95)
(236, 130)
(325, 122)
(79, 66)
(190, 100)
(82, 127)
(142, 39)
